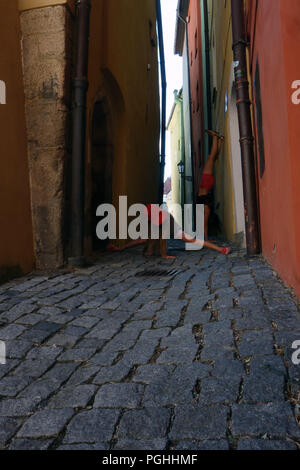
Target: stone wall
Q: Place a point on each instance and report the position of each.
(47, 58)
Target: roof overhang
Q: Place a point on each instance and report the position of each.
(182, 11)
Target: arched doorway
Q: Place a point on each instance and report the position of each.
(102, 157)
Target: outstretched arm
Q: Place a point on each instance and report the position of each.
(128, 245)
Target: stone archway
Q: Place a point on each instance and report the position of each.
(106, 158)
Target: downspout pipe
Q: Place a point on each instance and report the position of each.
(207, 57)
(163, 100)
(245, 127)
(80, 87)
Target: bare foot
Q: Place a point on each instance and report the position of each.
(215, 134)
(112, 248)
(168, 257)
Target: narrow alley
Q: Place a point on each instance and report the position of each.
(172, 124)
(132, 354)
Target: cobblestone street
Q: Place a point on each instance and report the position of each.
(191, 354)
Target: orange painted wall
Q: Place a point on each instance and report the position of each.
(16, 244)
(275, 41)
(290, 20)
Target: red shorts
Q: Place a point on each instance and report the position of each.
(207, 181)
(168, 227)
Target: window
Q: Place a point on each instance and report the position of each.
(259, 121)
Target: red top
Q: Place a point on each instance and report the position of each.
(207, 181)
(156, 215)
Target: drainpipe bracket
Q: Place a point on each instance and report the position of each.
(243, 101)
(246, 140)
(82, 83)
(86, 3)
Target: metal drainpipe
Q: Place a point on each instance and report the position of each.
(207, 55)
(80, 87)
(245, 126)
(163, 100)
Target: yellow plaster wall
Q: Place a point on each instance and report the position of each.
(16, 242)
(123, 66)
(175, 134)
(221, 27)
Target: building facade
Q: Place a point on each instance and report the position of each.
(272, 30)
(196, 87)
(209, 96)
(182, 48)
(229, 196)
(176, 130)
(123, 122)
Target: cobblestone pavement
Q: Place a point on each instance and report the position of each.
(196, 356)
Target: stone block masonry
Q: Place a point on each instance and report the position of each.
(47, 58)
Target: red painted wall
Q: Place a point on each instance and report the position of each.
(274, 28)
(196, 75)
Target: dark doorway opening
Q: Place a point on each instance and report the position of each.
(101, 165)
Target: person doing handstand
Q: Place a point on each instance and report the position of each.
(205, 194)
(166, 227)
